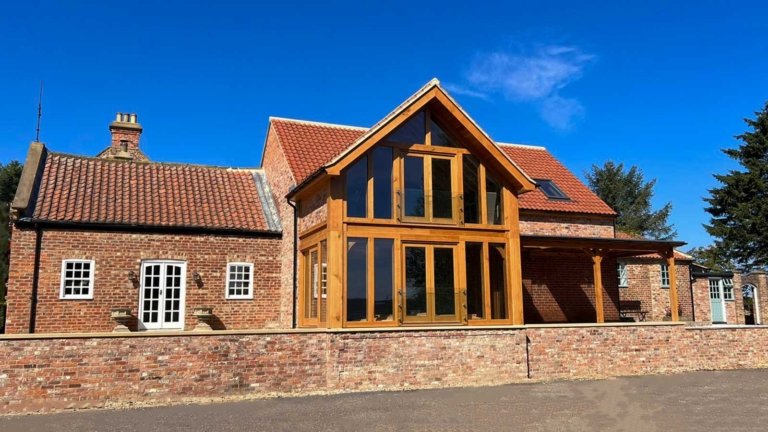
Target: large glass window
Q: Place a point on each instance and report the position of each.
(496, 278)
(432, 197)
(470, 171)
(383, 280)
(439, 137)
(445, 296)
(413, 201)
(357, 279)
(474, 268)
(493, 200)
(412, 131)
(381, 165)
(357, 187)
(442, 193)
(416, 281)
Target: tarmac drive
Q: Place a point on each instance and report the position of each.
(700, 401)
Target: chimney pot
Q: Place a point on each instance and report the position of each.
(125, 131)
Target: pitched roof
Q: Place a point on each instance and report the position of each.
(538, 163)
(310, 145)
(679, 256)
(342, 145)
(75, 189)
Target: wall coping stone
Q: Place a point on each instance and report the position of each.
(727, 327)
(149, 334)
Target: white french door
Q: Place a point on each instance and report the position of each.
(161, 302)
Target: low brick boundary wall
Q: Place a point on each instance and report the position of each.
(50, 373)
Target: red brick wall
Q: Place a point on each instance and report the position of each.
(734, 309)
(701, 300)
(645, 286)
(281, 181)
(596, 352)
(563, 224)
(314, 209)
(65, 373)
(560, 288)
(117, 253)
(45, 374)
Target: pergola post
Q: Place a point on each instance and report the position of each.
(672, 272)
(597, 272)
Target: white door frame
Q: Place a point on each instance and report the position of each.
(182, 298)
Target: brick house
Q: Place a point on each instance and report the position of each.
(421, 219)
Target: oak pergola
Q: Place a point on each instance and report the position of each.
(599, 248)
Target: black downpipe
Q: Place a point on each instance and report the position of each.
(35, 279)
(295, 259)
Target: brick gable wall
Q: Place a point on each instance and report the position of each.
(560, 288)
(117, 253)
(314, 209)
(537, 223)
(281, 181)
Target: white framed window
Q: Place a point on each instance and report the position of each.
(623, 274)
(714, 289)
(239, 280)
(664, 276)
(727, 289)
(320, 281)
(77, 279)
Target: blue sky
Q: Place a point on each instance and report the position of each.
(662, 85)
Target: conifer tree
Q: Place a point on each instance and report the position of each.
(9, 179)
(739, 206)
(630, 195)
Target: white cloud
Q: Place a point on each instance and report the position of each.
(561, 112)
(536, 75)
(463, 90)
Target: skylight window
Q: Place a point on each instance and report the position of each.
(551, 190)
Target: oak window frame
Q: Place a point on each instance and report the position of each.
(487, 294)
(313, 315)
(370, 276)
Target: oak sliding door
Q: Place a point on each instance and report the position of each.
(430, 289)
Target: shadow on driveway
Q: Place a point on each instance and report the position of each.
(732, 401)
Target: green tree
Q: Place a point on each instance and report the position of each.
(739, 206)
(711, 257)
(9, 179)
(627, 192)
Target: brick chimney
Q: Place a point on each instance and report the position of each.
(126, 132)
